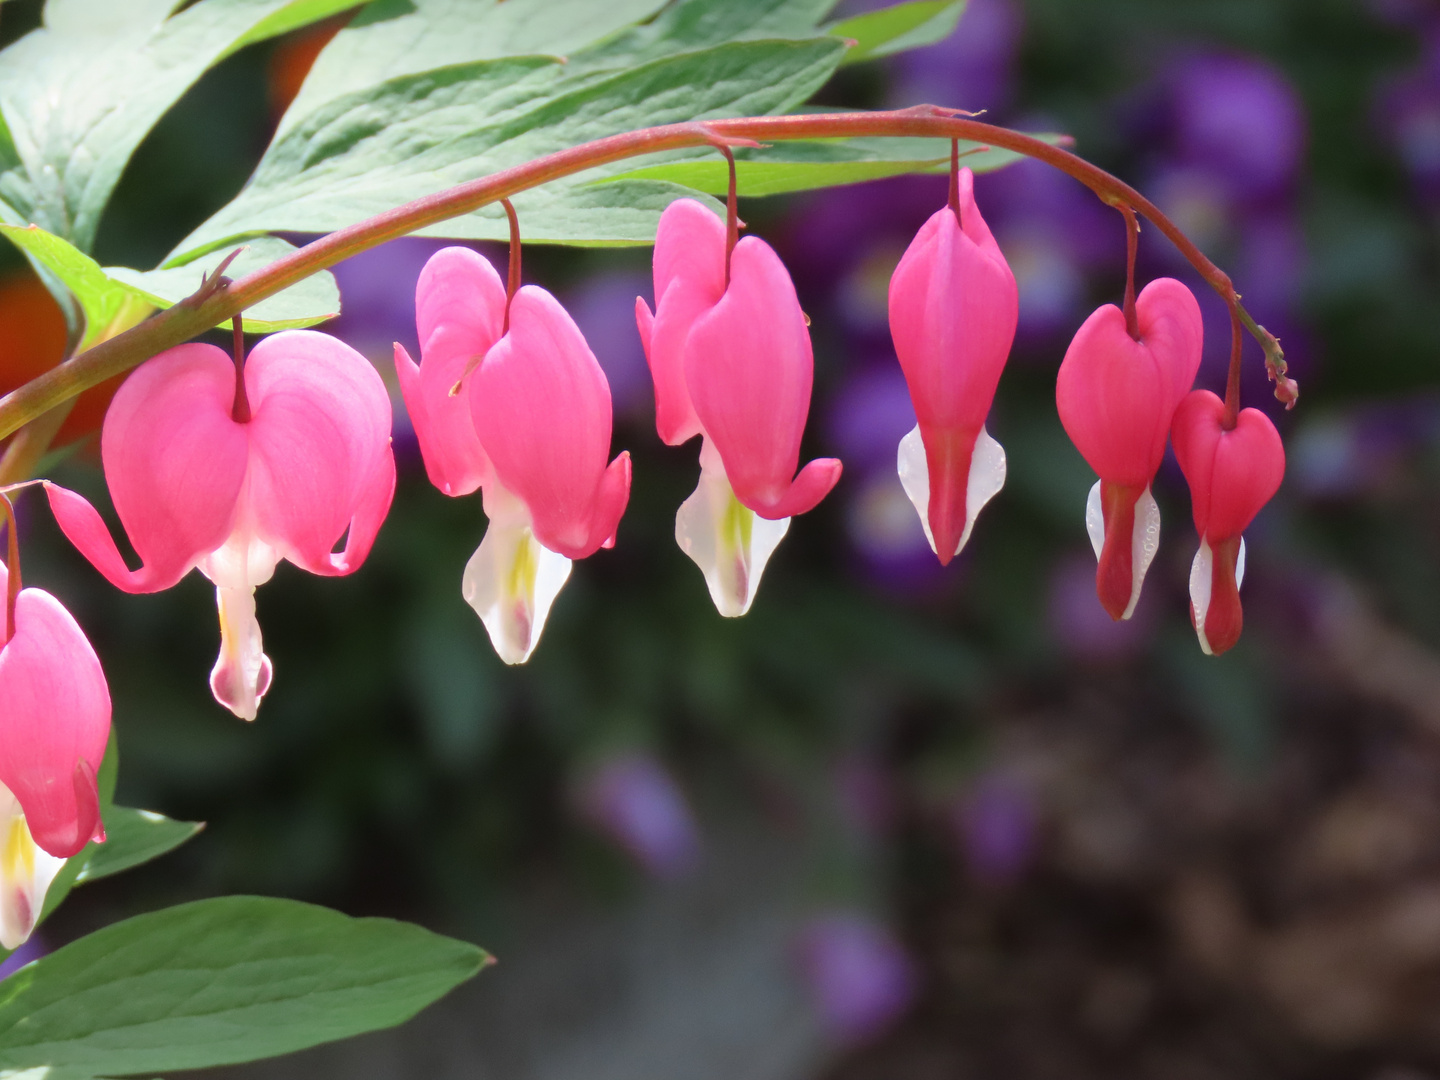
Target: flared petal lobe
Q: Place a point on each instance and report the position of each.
(749, 367)
(320, 458)
(459, 312)
(1232, 475)
(541, 406)
(54, 723)
(174, 462)
(689, 272)
(954, 307)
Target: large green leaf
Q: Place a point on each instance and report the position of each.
(417, 134)
(895, 29)
(108, 294)
(801, 166)
(220, 981)
(78, 94)
(132, 838)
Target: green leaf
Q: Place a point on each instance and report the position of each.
(415, 135)
(111, 294)
(78, 94)
(895, 29)
(801, 166)
(221, 981)
(133, 837)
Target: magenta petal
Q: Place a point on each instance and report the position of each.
(174, 461)
(54, 723)
(320, 448)
(813, 484)
(459, 311)
(749, 368)
(541, 406)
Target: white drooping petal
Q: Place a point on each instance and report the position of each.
(987, 477)
(728, 541)
(242, 671)
(1144, 537)
(512, 579)
(26, 871)
(1202, 573)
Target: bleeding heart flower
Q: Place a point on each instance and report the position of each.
(194, 487)
(732, 363)
(1232, 475)
(532, 427)
(54, 724)
(1116, 396)
(953, 312)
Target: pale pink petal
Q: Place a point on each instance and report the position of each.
(320, 448)
(54, 724)
(174, 461)
(541, 406)
(749, 367)
(459, 311)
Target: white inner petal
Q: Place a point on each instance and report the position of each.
(987, 477)
(1144, 542)
(26, 871)
(1095, 519)
(728, 541)
(915, 477)
(512, 579)
(1240, 565)
(242, 671)
(1202, 572)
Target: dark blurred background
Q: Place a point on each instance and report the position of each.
(899, 821)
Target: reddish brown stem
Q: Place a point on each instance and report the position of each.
(1132, 244)
(184, 321)
(240, 411)
(12, 564)
(955, 180)
(732, 211)
(512, 281)
(1232, 383)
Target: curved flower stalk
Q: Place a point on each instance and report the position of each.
(196, 487)
(954, 307)
(1117, 394)
(531, 426)
(54, 724)
(729, 351)
(1232, 472)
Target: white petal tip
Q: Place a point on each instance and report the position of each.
(511, 581)
(987, 477)
(729, 542)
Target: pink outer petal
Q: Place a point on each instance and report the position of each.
(1116, 396)
(1232, 474)
(541, 406)
(689, 280)
(54, 723)
(953, 312)
(459, 311)
(320, 459)
(174, 461)
(749, 367)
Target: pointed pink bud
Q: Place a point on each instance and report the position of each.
(459, 311)
(541, 408)
(54, 723)
(1116, 397)
(1232, 475)
(194, 487)
(749, 368)
(689, 280)
(953, 312)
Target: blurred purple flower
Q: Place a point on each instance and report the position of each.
(1082, 627)
(32, 950)
(869, 414)
(634, 800)
(377, 297)
(603, 306)
(1405, 12)
(859, 977)
(1408, 112)
(995, 821)
(970, 69)
(1355, 453)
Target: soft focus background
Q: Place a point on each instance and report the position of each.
(899, 821)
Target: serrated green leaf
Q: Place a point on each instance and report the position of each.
(221, 981)
(418, 134)
(133, 837)
(897, 28)
(107, 295)
(79, 94)
(801, 166)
